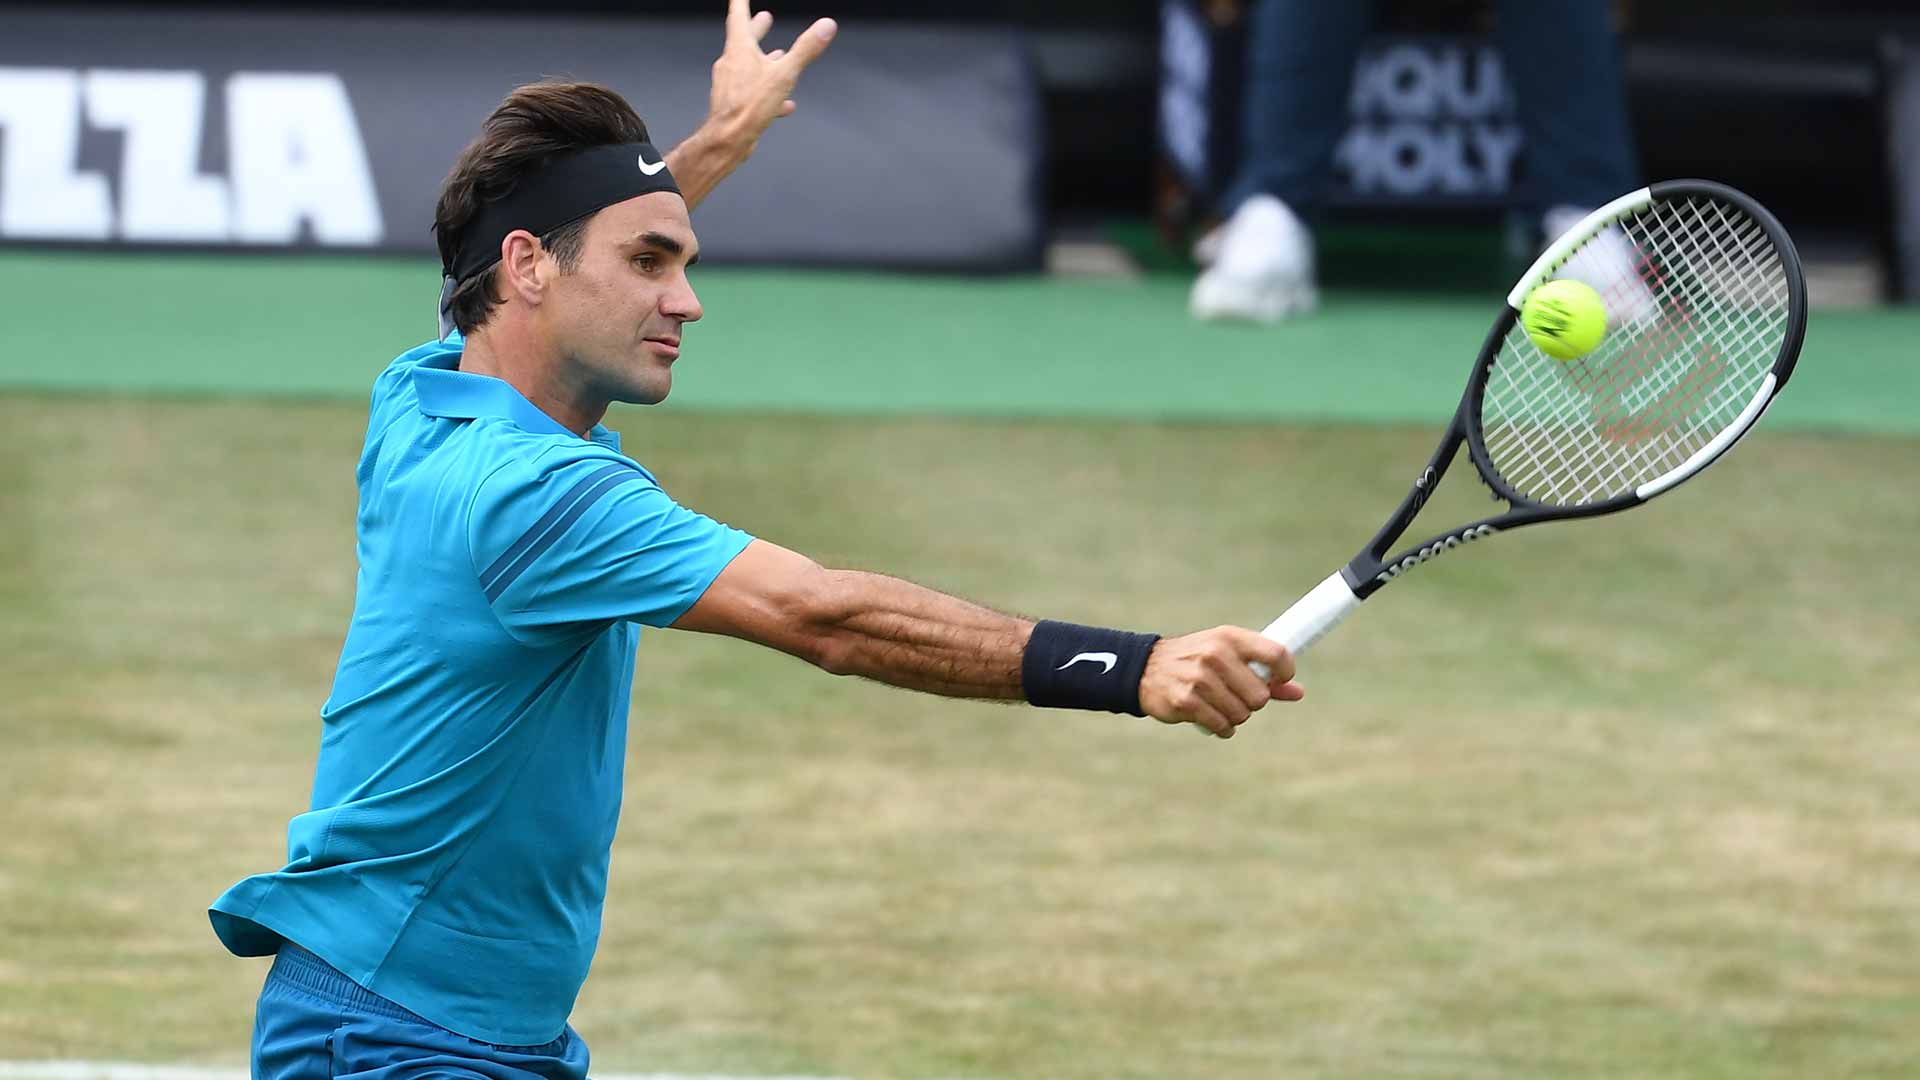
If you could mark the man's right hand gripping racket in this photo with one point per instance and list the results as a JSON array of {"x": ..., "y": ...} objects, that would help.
[{"x": 1705, "y": 311}]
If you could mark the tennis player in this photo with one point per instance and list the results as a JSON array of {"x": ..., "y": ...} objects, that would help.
[{"x": 441, "y": 900}]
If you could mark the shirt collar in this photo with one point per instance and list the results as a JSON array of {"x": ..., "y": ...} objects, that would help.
[{"x": 446, "y": 391}]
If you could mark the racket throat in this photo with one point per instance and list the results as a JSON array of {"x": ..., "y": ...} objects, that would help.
[{"x": 1426, "y": 552}]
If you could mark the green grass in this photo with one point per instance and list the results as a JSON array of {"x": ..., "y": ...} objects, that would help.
[
  {"x": 812, "y": 342},
  {"x": 1630, "y": 798}
]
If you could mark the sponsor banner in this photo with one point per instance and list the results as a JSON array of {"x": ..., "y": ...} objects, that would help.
[
  {"x": 332, "y": 131},
  {"x": 1430, "y": 118}
]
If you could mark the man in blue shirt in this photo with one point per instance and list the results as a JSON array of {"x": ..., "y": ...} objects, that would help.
[{"x": 441, "y": 899}]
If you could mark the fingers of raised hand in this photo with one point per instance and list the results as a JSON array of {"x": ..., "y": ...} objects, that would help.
[
  {"x": 808, "y": 46},
  {"x": 739, "y": 19}
]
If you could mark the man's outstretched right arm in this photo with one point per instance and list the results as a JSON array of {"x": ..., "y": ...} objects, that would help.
[{"x": 851, "y": 622}]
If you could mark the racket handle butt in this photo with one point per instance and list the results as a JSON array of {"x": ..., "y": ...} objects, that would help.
[{"x": 1310, "y": 617}]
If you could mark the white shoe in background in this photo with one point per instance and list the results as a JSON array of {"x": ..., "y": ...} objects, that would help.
[
  {"x": 1263, "y": 269},
  {"x": 1206, "y": 250},
  {"x": 1558, "y": 220}
]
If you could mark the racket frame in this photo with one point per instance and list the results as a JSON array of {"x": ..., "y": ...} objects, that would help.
[{"x": 1371, "y": 569}]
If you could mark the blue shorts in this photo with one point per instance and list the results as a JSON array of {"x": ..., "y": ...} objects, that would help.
[{"x": 314, "y": 1023}]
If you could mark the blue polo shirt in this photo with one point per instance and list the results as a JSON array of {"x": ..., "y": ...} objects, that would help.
[{"x": 455, "y": 856}]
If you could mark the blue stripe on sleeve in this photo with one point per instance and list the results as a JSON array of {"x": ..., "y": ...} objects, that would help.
[
  {"x": 535, "y": 542},
  {"x": 534, "y": 534},
  {"x": 539, "y": 529}
]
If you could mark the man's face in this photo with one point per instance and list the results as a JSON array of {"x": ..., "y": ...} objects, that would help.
[{"x": 615, "y": 319}]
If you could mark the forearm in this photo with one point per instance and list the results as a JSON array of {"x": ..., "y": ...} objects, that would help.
[
  {"x": 705, "y": 158},
  {"x": 896, "y": 632},
  {"x": 850, "y": 622},
  {"x": 854, "y": 623}
]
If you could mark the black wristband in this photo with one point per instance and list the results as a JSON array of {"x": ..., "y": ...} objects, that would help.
[{"x": 1067, "y": 666}]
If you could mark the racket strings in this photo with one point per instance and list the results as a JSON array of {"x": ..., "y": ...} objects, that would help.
[
  {"x": 1697, "y": 302},
  {"x": 1655, "y": 394}
]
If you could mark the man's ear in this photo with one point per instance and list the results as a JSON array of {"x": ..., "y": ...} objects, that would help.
[{"x": 523, "y": 268}]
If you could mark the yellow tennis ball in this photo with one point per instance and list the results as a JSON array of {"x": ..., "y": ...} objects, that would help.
[{"x": 1564, "y": 318}]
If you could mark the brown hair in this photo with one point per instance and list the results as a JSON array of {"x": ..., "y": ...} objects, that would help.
[{"x": 534, "y": 123}]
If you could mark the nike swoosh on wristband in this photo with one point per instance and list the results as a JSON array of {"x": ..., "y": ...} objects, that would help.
[
  {"x": 1106, "y": 658},
  {"x": 649, "y": 170}
]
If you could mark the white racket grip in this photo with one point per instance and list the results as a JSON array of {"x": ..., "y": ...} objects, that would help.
[{"x": 1310, "y": 617}]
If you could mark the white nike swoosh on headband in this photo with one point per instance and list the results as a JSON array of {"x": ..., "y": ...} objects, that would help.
[
  {"x": 649, "y": 170},
  {"x": 1106, "y": 658}
]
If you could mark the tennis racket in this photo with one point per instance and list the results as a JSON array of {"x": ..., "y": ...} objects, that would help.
[{"x": 1706, "y": 310}]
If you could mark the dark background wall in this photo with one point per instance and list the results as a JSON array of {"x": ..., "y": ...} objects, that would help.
[{"x": 1783, "y": 96}]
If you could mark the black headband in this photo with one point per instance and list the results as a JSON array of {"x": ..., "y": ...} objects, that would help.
[{"x": 559, "y": 192}]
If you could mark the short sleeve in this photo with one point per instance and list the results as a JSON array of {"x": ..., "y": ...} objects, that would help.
[{"x": 590, "y": 544}]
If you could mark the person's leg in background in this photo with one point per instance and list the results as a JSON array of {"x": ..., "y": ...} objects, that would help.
[
  {"x": 1563, "y": 59},
  {"x": 1299, "y": 71}
]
